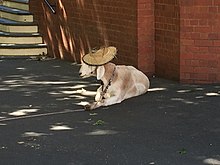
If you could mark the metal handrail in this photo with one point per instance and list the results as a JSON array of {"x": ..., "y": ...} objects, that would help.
[{"x": 51, "y": 7}]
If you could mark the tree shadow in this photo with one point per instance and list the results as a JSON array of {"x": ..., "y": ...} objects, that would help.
[{"x": 161, "y": 123}]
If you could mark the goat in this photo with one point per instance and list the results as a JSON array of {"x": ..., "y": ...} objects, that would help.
[{"x": 119, "y": 82}]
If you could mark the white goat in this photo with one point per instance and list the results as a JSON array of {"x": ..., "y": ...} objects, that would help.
[{"x": 119, "y": 83}]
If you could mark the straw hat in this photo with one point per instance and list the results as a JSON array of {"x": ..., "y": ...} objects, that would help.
[{"x": 101, "y": 56}]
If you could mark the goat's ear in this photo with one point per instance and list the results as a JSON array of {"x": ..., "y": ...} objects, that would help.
[{"x": 100, "y": 72}]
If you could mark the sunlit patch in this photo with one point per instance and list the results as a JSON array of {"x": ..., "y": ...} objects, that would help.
[
  {"x": 199, "y": 89},
  {"x": 34, "y": 134},
  {"x": 16, "y": 86},
  {"x": 3, "y": 147},
  {"x": 83, "y": 103},
  {"x": 48, "y": 82},
  {"x": 56, "y": 66},
  {"x": 189, "y": 102},
  {"x": 211, "y": 161},
  {"x": 63, "y": 99},
  {"x": 10, "y": 81},
  {"x": 199, "y": 97},
  {"x": 23, "y": 112},
  {"x": 63, "y": 10},
  {"x": 190, "y": 90},
  {"x": 77, "y": 97},
  {"x": 99, "y": 132},
  {"x": 183, "y": 100},
  {"x": 81, "y": 3},
  {"x": 79, "y": 91},
  {"x": 68, "y": 92},
  {"x": 20, "y": 142},
  {"x": 4, "y": 89},
  {"x": 32, "y": 145},
  {"x": 183, "y": 91},
  {"x": 64, "y": 35},
  {"x": 156, "y": 89},
  {"x": 15, "y": 76},
  {"x": 177, "y": 99},
  {"x": 82, "y": 84},
  {"x": 212, "y": 94},
  {"x": 86, "y": 92},
  {"x": 54, "y": 93},
  {"x": 21, "y": 68},
  {"x": 60, "y": 128},
  {"x": 3, "y": 124}
]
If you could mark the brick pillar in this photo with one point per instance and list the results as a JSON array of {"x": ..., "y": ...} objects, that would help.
[
  {"x": 145, "y": 36},
  {"x": 200, "y": 41},
  {"x": 56, "y": 28},
  {"x": 167, "y": 47},
  {"x": 83, "y": 24}
]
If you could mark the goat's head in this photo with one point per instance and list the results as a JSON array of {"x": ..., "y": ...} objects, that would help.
[{"x": 87, "y": 70}]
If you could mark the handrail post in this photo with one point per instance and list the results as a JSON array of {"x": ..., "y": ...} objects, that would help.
[{"x": 51, "y": 7}]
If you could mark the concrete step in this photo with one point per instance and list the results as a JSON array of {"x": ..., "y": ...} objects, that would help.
[
  {"x": 18, "y": 4},
  {"x": 17, "y": 27},
  {"x": 18, "y": 33},
  {"x": 20, "y": 38},
  {"x": 15, "y": 14},
  {"x": 22, "y": 49}
]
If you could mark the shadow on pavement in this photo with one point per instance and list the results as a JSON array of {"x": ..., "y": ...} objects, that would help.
[{"x": 42, "y": 122}]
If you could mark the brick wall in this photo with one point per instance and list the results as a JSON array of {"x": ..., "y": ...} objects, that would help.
[
  {"x": 167, "y": 28},
  {"x": 99, "y": 22},
  {"x": 145, "y": 36},
  {"x": 200, "y": 41},
  {"x": 55, "y": 28},
  {"x": 84, "y": 24},
  {"x": 177, "y": 39}
]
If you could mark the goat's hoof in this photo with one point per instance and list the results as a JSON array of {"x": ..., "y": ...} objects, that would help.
[{"x": 87, "y": 107}]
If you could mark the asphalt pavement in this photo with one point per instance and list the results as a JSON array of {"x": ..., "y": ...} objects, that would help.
[{"x": 42, "y": 121}]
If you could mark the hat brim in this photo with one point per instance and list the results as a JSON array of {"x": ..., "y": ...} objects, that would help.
[{"x": 101, "y": 56}]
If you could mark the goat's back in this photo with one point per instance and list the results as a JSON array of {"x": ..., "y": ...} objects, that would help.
[{"x": 133, "y": 74}]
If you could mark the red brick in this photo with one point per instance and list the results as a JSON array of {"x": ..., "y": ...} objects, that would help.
[
  {"x": 203, "y": 22},
  {"x": 194, "y": 22},
  {"x": 195, "y": 63},
  {"x": 203, "y": 43},
  {"x": 214, "y": 50},
  {"x": 187, "y": 42},
  {"x": 202, "y": 29},
  {"x": 203, "y": 70},
  {"x": 213, "y": 36},
  {"x": 216, "y": 43},
  {"x": 188, "y": 69},
  {"x": 187, "y": 29},
  {"x": 187, "y": 2},
  {"x": 216, "y": 2},
  {"x": 203, "y": 2},
  {"x": 212, "y": 77},
  {"x": 200, "y": 77},
  {"x": 213, "y": 9},
  {"x": 163, "y": 35}
]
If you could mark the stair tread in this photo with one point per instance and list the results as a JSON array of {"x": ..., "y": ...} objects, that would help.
[
  {"x": 22, "y": 46},
  {"x": 5, "y": 21},
  {"x": 8, "y": 34},
  {"x": 14, "y": 11},
  {"x": 20, "y": 1},
  {"x": 12, "y": 22}
]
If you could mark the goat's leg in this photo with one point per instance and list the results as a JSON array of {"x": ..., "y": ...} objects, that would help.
[
  {"x": 104, "y": 102},
  {"x": 98, "y": 96}
]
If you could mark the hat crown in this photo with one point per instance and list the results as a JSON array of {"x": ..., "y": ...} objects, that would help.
[{"x": 101, "y": 56}]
